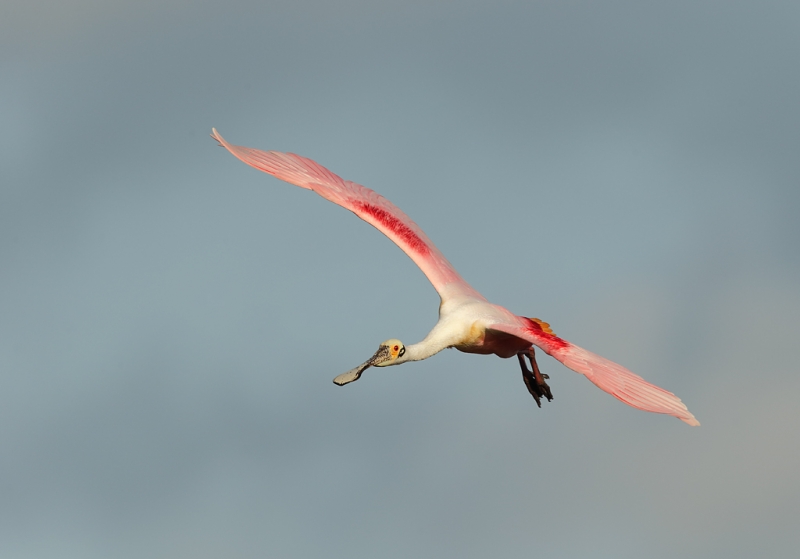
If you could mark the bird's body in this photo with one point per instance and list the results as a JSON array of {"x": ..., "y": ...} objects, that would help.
[
  {"x": 464, "y": 323},
  {"x": 467, "y": 321}
]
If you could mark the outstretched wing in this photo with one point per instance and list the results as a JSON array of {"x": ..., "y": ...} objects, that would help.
[
  {"x": 606, "y": 375},
  {"x": 366, "y": 204}
]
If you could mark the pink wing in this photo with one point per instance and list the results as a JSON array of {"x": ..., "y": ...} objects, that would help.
[
  {"x": 606, "y": 375},
  {"x": 366, "y": 204}
]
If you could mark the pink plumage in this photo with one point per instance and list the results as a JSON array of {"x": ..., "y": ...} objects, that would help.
[
  {"x": 606, "y": 375},
  {"x": 365, "y": 203},
  {"x": 467, "y": 321}
]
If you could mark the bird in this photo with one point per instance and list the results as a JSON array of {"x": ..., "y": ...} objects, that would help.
[{"x": 467, "y": 321}]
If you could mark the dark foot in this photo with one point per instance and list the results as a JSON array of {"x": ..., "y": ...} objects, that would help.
[{"x": 534, "y": 379}]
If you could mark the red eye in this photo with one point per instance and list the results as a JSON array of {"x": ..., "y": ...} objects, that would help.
[{"x": 396, "y": 347}]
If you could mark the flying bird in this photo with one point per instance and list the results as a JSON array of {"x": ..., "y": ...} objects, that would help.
[{"x": 467, "y": 321}]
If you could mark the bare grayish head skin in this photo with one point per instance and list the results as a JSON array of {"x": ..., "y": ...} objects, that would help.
[{"x": 387, "y": 353}]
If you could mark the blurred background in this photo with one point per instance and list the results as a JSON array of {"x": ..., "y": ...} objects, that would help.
[{"x": 171, "y": 319}]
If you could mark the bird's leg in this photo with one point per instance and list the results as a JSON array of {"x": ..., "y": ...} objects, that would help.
[{"x": 534, "y": 379}]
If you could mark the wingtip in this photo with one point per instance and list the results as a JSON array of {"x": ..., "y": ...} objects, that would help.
[
  {"x": 690, "y": 421},
  {"x": 214, "y": 134}
]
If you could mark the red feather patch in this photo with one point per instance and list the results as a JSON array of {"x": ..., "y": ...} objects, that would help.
[
  {"x": 542, "y": 329},
  {"x": 390, "y": 222}
]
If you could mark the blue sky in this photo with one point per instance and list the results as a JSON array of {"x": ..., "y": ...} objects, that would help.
[{"x": 171, "y": 320}]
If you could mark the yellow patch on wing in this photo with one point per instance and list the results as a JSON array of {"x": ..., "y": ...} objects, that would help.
[
  {"x": 543, "y": 325},
  {"x": 476, "y": 334}
]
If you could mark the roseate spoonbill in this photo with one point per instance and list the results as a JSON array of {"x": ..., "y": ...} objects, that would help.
[{"x": 467, "y": 321}]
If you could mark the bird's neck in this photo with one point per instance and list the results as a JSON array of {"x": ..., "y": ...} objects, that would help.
[
  {"x": 422, "y": 350},
  {"x": 454, "y": 328},
  {"x": 433, "y": 343}
]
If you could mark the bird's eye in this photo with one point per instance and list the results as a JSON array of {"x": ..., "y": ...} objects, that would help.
[{"x": 396, "y": 348}]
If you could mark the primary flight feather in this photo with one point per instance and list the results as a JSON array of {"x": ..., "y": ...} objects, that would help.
[{"x": 467, "y": 321}]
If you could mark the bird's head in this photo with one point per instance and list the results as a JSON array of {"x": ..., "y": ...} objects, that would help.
[{"x": 390, "y": 352}]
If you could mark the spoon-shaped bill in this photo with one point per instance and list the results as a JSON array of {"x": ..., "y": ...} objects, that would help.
[{"x": 354, "y": 374}]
